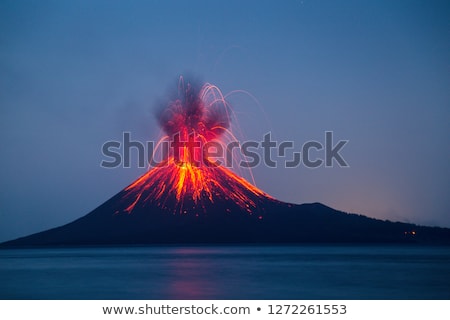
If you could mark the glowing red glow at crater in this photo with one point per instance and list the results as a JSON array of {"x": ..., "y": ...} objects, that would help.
[{"x": 185, "y": 181}]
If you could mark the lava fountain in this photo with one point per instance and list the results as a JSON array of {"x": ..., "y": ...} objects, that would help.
[{"x": 186, "y": 181}]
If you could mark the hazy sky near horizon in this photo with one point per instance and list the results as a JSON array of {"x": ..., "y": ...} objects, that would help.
[{"x": 75, "y": 74}]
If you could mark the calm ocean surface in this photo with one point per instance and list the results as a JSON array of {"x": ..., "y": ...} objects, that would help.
[{"x": 231, "y": 272}]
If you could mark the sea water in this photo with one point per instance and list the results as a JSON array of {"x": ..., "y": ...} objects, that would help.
[{"x": 227, "y": 272}]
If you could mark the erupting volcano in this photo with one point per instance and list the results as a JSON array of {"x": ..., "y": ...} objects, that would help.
[
  {"x": 187, "y": 181},
  {"x": 189, "y": 197}
]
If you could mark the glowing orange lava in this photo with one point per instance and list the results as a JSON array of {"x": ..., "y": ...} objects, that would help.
[{"x": 185, "y": 182}]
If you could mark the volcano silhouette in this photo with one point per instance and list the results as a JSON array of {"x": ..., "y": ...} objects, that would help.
[
  {"x": 149, "y": 212},
  {"x": 184, "y": 201}
]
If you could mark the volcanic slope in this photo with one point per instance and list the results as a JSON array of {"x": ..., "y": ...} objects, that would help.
[{"x": 225, "y": 210}]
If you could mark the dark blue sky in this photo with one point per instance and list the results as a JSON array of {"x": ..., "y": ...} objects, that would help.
[{"x": 76, "y": 74}]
